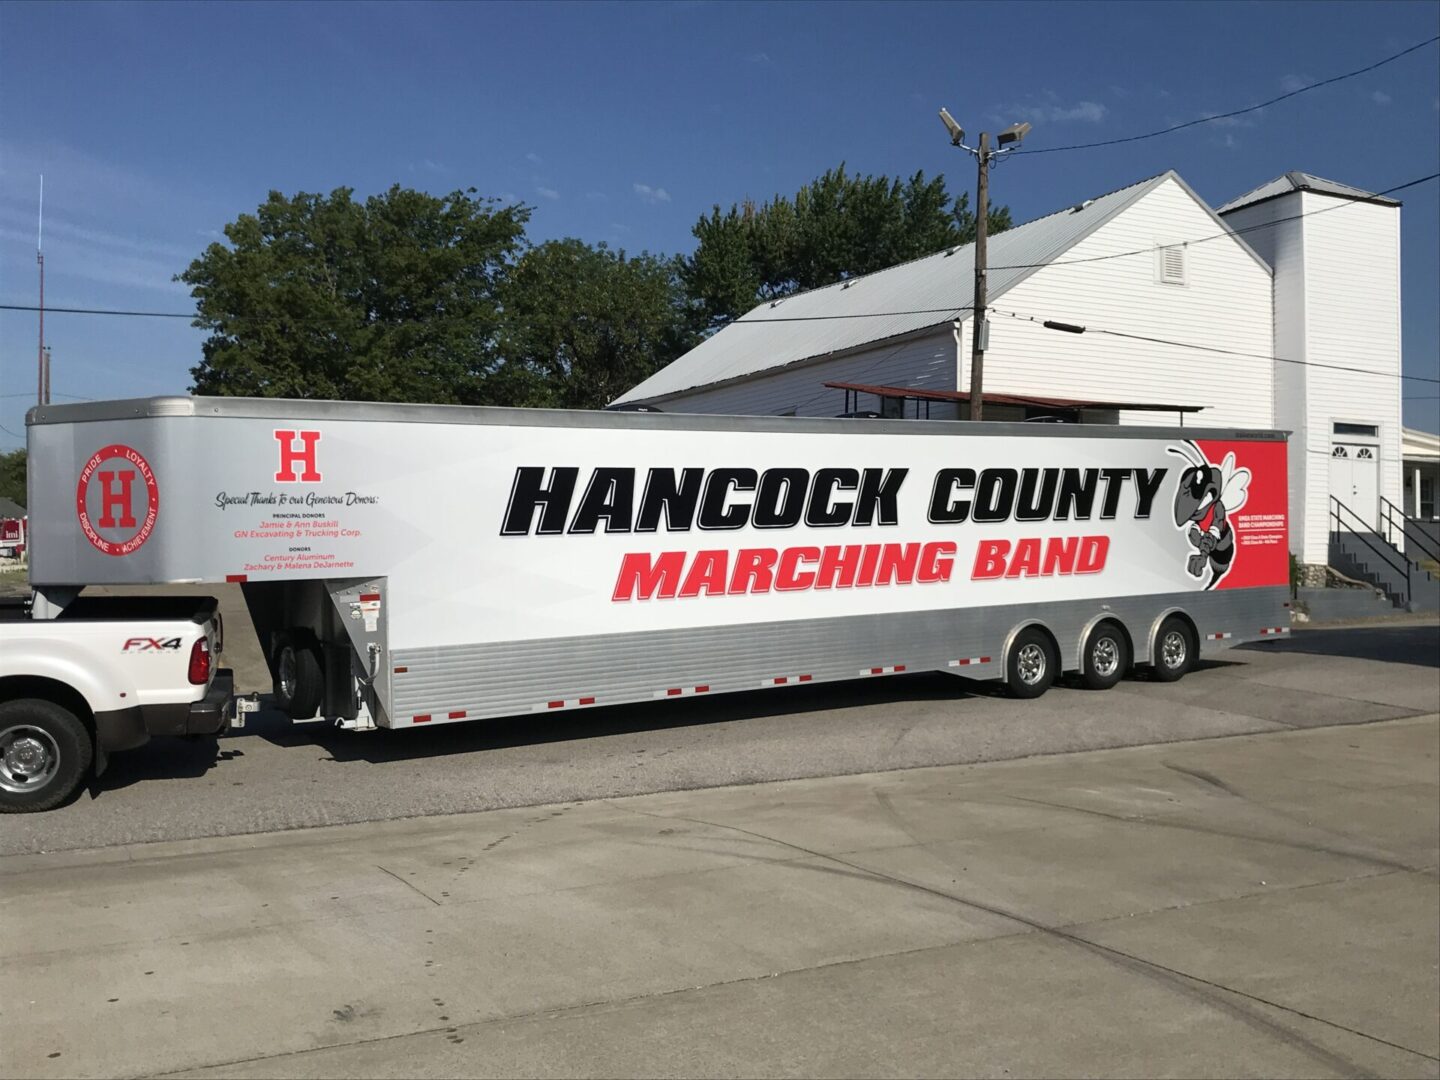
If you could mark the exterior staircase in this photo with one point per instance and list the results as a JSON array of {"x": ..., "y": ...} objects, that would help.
[{"x": 1393, "y": 561}]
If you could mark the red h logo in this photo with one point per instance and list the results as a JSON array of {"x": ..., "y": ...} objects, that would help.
[
  {"x": 302, "y": 455},
  {"x": 116, "y": 496}
]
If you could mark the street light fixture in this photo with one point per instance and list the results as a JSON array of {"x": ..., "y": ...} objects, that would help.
[{"x": 1008, "y": 141}]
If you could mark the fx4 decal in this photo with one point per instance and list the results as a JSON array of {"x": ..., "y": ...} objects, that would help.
[{"x": 150, "y": 644}]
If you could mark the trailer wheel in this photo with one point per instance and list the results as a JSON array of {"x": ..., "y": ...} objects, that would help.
[
  {"x": 45, "y": 754},
  {"x": 1032, "y": 665},
  {"x": 1106, "y": 657},
  {"x": 1174, "y": 650},
  {"x": 299, "y": 681}
]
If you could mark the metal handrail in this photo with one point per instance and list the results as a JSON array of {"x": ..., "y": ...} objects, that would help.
[
  {"x": 1335, "y": 507},
  {"x": 1389, "y": 511}
]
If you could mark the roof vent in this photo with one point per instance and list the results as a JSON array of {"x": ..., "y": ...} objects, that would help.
[
  {"x": 1080, "y": 206},
  {"x": 1172, "y": 265}
]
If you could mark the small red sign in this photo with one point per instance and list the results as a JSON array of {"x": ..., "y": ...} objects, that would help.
[{"x": 117, "y": 499}]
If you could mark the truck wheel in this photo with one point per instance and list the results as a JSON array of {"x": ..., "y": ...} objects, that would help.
[
  {"x": 299, "y": 683},
  {"x": 1174, "y": 650},
  {"x": 45, "y": 754},
  {"x": 1031, "y": 667},
  {"x": 1106, "y": 657}
]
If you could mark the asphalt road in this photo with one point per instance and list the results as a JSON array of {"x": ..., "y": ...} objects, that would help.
[{"x": 275, "y": 776}]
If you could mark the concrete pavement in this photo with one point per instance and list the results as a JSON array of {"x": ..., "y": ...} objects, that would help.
[
  {"x": 276, "y": 776},
  {"x": 1256, "y": 905}
]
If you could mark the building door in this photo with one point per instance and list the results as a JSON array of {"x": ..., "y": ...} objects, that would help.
[{"x": 1355, "y": 481}]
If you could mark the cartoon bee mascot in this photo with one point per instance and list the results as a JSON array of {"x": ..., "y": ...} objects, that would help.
[{"x": 1204, "y": 500}]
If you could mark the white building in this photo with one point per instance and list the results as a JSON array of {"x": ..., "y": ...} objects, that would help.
[{"x": 1184, "y": 309}]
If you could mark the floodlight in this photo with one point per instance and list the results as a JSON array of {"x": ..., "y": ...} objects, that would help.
[
  {"x": 957, "y": 133},
  {"x": 1013, "y": 134}
]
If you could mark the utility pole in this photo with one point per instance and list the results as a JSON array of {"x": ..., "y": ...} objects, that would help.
[
  {"x": 45, "y": 377},
  {"x": 1007, "y": 141},
  {"x": 981, "y": 332}
]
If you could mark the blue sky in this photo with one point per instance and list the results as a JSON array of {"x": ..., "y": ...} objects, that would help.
[{"x": 155, "y": 124}]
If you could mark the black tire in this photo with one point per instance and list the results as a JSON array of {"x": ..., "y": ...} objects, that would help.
[
  {"x": 299, "y": 680},
  {"x": 1105, "y": 657},
  {"x": 1032, "y": 666},
  {"x": 45, "y": 755},
  {"x": 1175, "y": 650}
]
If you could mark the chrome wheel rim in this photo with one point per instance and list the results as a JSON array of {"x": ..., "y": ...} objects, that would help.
[
  {"x": 1030, "y": 664},
  {"x": 285, "y": 672},
  {"x": 1172, "y": 649},
  {"x": 29, "y": 758},
  {"x": 1105, "y": 656}
]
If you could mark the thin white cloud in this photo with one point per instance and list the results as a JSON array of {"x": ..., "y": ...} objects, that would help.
[
  {"x": 534, "y": 158},
  {"x": 759, "y": 58},
  {"x": 1379, "y": 97},
  {"x": 547, "y": 193},
  {"x": 650, "y": 194},
  {"x": 1291, "y": 83},
  {"x": 1049, "y": 109}
]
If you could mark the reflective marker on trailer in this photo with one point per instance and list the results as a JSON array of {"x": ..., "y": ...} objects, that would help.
[
  {"x": 562, "y": 703},
  {"x": 785, "y": 680},
  {"x": 1221, "y": 636},
  {"x": 1266, "y": 630},
  {"x": 457, "y": 714},
  {"x": 967, "y": 661},
  {"x": 423, "y": 718},
  {"x": 891, "y": 669},
  {"x": 681, "y": 691},
  {"x": 236, "y": 578}
]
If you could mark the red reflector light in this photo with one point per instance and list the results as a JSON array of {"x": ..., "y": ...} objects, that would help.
[{"x": 200, "y": 662}]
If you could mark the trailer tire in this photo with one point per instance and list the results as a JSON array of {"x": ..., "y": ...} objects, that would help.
[
  {"x": 1105, "y": 658},
  {"x": 1174, "y": 650},
  {"x": 45, "y": 754},
  {"x": 1032, "y": 665},
  {"x": 299, "y": 680}
]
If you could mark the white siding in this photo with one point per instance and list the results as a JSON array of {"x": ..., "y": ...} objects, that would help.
[
  {"x": 1352, "y": 318},
  {"x": 1283, "y": 248},
  {"x": 927, "y": 362},
  {"x": 1225, "y": 303}
]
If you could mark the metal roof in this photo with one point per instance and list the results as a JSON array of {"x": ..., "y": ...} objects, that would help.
[
  {"x": 991, "y": 398},
  {"x": 931, "y": 291},
  {"x": 1302, "y": 181}
]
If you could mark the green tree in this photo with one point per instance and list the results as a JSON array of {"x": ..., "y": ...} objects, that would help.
[
  {"x": 390, "y": 299},
  {"x": 836, "y": 227},
  {"x": 12, "y": 476},
  {"x": 583, "y": 324}
]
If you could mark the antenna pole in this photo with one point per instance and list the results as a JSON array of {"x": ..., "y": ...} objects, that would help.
[{"x": 41, "y": 379}]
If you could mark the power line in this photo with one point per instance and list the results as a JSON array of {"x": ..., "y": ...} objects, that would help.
[
  {"x": 1224, "y": 352},
  {"x": 1220, "y": 235},
  {"x": 101, "y": 311},
  {"x": 1237, "y": 112}
]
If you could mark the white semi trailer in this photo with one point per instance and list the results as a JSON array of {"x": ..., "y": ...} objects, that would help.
[{"x": 415, "y": 565}]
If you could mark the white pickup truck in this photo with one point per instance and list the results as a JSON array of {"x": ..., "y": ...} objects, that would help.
[{"x": 104, "y": 675}]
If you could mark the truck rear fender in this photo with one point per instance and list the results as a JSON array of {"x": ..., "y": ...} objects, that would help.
[{"x": 102, "y": 684}]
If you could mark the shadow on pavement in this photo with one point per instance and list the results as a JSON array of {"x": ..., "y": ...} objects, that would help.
[{"x": 1418, "y": 645}]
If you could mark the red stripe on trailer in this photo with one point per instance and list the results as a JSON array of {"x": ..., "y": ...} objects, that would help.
[
  {"x": 889, "y": 669},
  {"x": 681, "y": 691},
  {"x": 587, "y": 701},
  {"x": 366, "y": 597},
  {"x": 423, "y": 718},
  {"x": 236, "y": 577},
  {"x": 401, "y": 670},
  {"x": 555, "y": 704},
  {"x": 968, "y": 660},
  {"x": 1220, "y": 636},
  {"x": 1265, "y": 630},
  {"x": 780, "y": 680},
  {"x": 457, "y": 714}
]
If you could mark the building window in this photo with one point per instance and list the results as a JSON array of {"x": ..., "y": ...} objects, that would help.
[
  {"x": 1364, "y": 454},
  {"x": 1427, "y": 497},
  {"x": 1339, "y": 451},
  {"x": 1357, "y": 429}
]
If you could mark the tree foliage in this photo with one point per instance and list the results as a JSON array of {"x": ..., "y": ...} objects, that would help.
[
  {"x": 583, "y": 324},
  {"x": 390, "y": 299},
  {"x": 836, "y": 227},
  {"x": 12, "y": 476}
]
